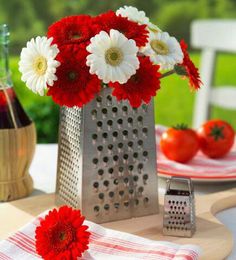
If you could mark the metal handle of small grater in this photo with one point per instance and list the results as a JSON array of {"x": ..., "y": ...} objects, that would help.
[{"x": 188, "y": 181}]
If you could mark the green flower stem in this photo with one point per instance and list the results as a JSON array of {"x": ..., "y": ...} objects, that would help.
[{"x": 168, "y": 73}]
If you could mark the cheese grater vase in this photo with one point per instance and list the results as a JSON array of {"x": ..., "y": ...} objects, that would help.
[{"x": 107, "y": 159}]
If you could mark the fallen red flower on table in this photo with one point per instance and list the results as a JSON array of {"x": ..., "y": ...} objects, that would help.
[
  {"x": 191, "y": 72},
  {"x": 62, "y": 235}
]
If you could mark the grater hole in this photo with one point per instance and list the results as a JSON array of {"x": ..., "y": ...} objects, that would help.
[
  {"x": 130, "y": 144},
  {"x": 99, "y": 123},
  {"x": 145, "y": 153},
  {"x": 120, "y": 145},
  {"x": 109, "y": 98},
  {"x": 140, "y": 142},
  {"x": 100, "y": 172},
  {"x": 126, "y": 156},
  {"x": 95, "y": 160},
  {"x": 96, "y": 209},
  {"x": 106, "y": 183},
  {"x": 99, "y": 99},
  {"x": 116, "y": 205},
  {"x": 145, "y": 130},
  {"x": 110, "y": 146},
  {"x": 115, "y": 158},
  {"x": 126, "y": 204},
  {"x": 94, "y": 112},
  {"x": 94, "y": 136},
  {"x": 115, "y": 134},
  {"x": 114, "y": 109},
  {"x": 135, "y": 155},
  {"x": 125, "y": 133},
  {"x": 121, "y": 192},
  {"x": 135, "y": 131},
  {"x": 96, "y": 185},
  {"x": 105, "y": 135},
  {"x": 116, "y": 182},
  {"x": 106, "y": 206},
  {"x": 105, "y": 159},
  {"x": 140, "y": 189},
  {"x": 130, "y": 120},
  {"x": 126, "y": 180},
  {"x": 110, "y": 170},
  {"x": 120, "y": 121},
  {"x": 145, "y": 177},
  {"x": 140, "y": 166},
  {"x": 140, "y": 118},
  {"x": 135, "y": 178},
  {"x": 111, "y": 194},
  {"x": 146, "y": 200},
  {"x": 100, "y": 148},
  {"x": 130, "y": 167},
  {"x": 110, "y": 122},
  {"x": 104, "y": 111},
  {"x": 125, "y": 108},
  {"x": 121, "y": 169},
  {"x": 131, "y": 191},
  {"x": 101, "y": 196}
]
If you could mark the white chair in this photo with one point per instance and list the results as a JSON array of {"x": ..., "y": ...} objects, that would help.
[{"x": 212, "y": 36}]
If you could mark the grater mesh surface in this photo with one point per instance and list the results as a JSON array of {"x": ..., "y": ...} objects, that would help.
[
  {"x": 107, "y": 159},
  {"x": 69, "y": 152}
]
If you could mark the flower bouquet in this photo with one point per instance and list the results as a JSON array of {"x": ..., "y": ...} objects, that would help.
[{"x": 104, "y": 71}]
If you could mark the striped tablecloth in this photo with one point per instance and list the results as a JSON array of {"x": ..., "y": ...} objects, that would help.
[
  {"x": 104, "y": 244},
  {"x": 200, "y": 167}
]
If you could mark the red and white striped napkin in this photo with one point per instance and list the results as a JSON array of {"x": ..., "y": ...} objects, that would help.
[
  {"x": 105, "y": 244},
  {"x": 200, "y": 167}
]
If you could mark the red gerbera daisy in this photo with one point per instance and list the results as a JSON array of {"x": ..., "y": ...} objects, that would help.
[
  {"x": 62, "y": 235},
  {"x": 190, "y": 70},
  {"x": 141, "y": 86},
  {"x": 130, "y": 29},
  {"x": 75, "y": 86},
  {"x": 73, "y": 29}
]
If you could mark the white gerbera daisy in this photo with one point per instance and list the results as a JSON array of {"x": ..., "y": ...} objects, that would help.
[
  {"x": 113, "y": 57},
  {"x": 163, "y": 50},
  {"x": 38, "y": 65},
  {"x": 133, "y": 14}
]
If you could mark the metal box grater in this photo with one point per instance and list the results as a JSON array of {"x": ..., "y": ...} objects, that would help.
[
  {"x": 179, "y": 209},
  {"x": 107, "y": 159}
]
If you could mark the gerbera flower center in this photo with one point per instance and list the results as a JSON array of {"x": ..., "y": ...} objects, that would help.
[
  {"x": 75, "y": 36},
  {"x": 72, "y": 75},
  {"x": 114, "y": 56},
  {"x": 159, "y": 47},
  {"x": 40, "y": 65},
  {"x": 61, "y": 236}
]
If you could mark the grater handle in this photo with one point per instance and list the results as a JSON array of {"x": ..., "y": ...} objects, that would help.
[{"x": 188, "y": 181}]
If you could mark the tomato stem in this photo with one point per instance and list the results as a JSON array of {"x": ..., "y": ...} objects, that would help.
[
  {"x": 217, "y": 132},
  {"x": 181, "y": 126}
]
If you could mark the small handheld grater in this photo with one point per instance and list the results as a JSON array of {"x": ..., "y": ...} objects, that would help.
[{"x": 179, "y": 209}]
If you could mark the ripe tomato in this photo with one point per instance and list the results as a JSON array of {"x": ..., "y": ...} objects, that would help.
[
  {"x": 179, "y": 143},
  {"x": 216, "y": 138}
]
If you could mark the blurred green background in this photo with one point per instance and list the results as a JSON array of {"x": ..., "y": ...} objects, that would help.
[{"x": 174, "y": 102}]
